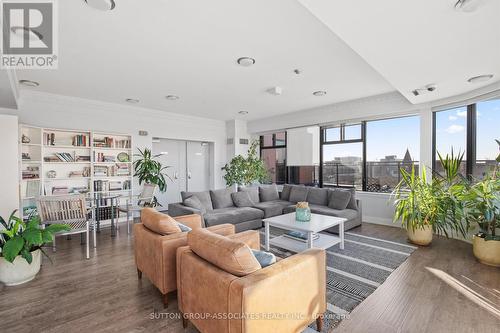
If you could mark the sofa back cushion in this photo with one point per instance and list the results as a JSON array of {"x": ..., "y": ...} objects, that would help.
[
  {"x": 352, "y": 202},
  {"x": 158, "y": 222},
  {"x": 269, "y": 193},
  {"x": 232, "y": 256},
  {"x": 339, "y": 199},
  {"x": 252, "y": 191},
  {"x": 285, "y": 193},
  {"x": 195, "y": 203},
  {"x": 318, "y": 196},
  {"x": 204, "y": 198},
  {"x": 242, "y": 199},
  {"x": 222, "y": 198},
  {"x": 298, "y": 194}
]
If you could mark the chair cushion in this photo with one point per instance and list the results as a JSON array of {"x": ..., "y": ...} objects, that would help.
[
  {"x": 222, "y": 198},
  {"x": 184, "y": 228},
  {"x": 344, "y": 213},
  {"x": 233, "y": 215},
  {"x": 298, "y": 194},
  {"x": 252, "y": 191},
  {"x": 242, "y": 199},
  {"x": 339, "y": 199},
  {"x": 232, "y": 256},
  {"x": 264, "y": 258},
  {"x": 158, "y": 222},
  {"x": 318, "y": 196},
  {"x": 195, "y": 203},
  {"x": 272, "y": 208},
  {"x": 204, "y": 198},
  {"x": 269, "y": 193},
  {"x": 289, "y": 209}
]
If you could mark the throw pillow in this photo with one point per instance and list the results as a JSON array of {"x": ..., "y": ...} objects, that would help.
[
  {"x": 264, "y": 258},
  {"x": 339, "y": 199},
  {"x": 352, "y": 203},
  {"x": 252, "y": 191},
  {"x": 195, "y": 203},
  {"x": 318, "y": 196},
  {"x": 242, "y": 199},
  {"x": 158, "y": 222},
  {"x": 222, "y": 198},
  {"x": 184, "y": 228},
  {"x": 203, "y": 196},
  {"x": 269, "y": 193},
  {"x": 298, "y": 194},
  {"x": 285, "y": 193}
]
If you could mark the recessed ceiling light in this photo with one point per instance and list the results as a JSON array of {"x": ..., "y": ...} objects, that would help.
[
  {"x": 246, "y": 61},
  {"x": 103, "y": 5},
  {"x": 275, "y": 91},
  {"x": 243, "y": 112},
  {"x": 172, "y": 97},
  {"x": 31, "y": 35},
  {"x": 29, "y": 83},
  {"x": 132, "y": 100},
  {"x": 480, "y": 78},
  {"x": 297, "y": 71},
  {"x": 467, "y": 5},
  {"x": 319, "y": 93}
]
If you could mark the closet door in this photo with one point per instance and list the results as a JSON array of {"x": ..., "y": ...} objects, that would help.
[
  {"x": 198, "y": 166},
  {"x": 173, "y": 154}
]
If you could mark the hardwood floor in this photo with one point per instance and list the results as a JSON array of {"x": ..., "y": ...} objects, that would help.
[{"x": 103, "y": 294}]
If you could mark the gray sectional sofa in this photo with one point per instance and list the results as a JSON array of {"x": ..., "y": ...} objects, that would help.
[{"x": 247, "y": 207}]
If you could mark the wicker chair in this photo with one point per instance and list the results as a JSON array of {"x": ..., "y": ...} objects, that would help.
[
  {"x": 67, "y": 209},
  {"x": 144, "y": 199}
]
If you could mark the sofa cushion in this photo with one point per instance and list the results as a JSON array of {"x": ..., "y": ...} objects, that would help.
[
  {"x": 222, "y": 198},
  {"x": 344, "y": 213},
  {"x": 203, "y": 196},
  {"x": 242, "y": 199},
  {"x": 195, "y": 203},
  {"x": 232, "y": 256},
  {"x": 318, "y": 196},
  {"x": 352, "y": 202},
  {"x": 272, "y": 208},
  {"x": 285, "y": 193},
  {"x": 339, "y": 199},
  {"x": 233, "y": 215},
  {"x": 252, "y": 191},
  {"x": 289, "y": 209},
  {"x": 269, "y": 193},
  {"x": 158, "y": 222},
  {"x": 264, "y": 258},
  {"x": 298, "y": 194}
]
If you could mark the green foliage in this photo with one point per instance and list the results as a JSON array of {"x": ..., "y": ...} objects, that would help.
[
  {"x": 150, "y": 171},
  {"x": 245, "y": 171},
  {"x": 20, "y": 238}
]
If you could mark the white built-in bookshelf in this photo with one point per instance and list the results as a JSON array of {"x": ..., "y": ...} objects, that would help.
[{"x": 63, "y": 161}]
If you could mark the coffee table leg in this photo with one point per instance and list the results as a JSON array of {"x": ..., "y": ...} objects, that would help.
[
  {"x": 341, "y": 234},
  {"x": 310, "y": 240},
  {"x": 266, "y": 225}
]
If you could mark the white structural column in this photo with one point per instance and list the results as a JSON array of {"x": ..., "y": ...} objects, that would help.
[
  {"x": 9, "y": 172},
  {"x": 426, "y": 139}
]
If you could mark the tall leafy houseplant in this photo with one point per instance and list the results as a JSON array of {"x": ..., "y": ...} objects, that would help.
[
  {"x": 150, "y": 171},
  {"x": 246, "y": 170}
]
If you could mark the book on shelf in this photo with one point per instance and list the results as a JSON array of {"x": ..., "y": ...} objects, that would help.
[
  {"x": 81, "y": 140},
  {"x": 32, "y": 189},
  {"x": 115, "y": 186},
  {"x": 60, "y": 157},
  {"x": 31, "y": 172},
  {"x": 299, "y": 236},
  {"x": 101, "y": 157}
]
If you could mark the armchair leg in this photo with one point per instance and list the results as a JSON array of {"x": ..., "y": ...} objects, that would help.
[
  {"x": 319, "y": 323},
  {"x": 165, "y": 301},
  {"x": 139, "y": 274}
]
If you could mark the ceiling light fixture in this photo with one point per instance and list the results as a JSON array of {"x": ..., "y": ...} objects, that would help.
[
  {"x": 319, "y": 93},
  {"x": 103, "y": 5},
  {"x": 275, "y": 91},
  {"x": 243, "y": 112},
  {"x": 480, "y": 78},
  {"x": 29, "y": 83},
  {"x": 132, "y": 100},
  {"x": 246, "y": 61},
  {"x": 425, "y": 90},
  {"x": 467, "y": 6},
  {"x": 172, "y": 97},
  {"x": 297, "y": 71}
]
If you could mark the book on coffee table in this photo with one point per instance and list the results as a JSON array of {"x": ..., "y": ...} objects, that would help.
[{"x": 300, "y": 236}]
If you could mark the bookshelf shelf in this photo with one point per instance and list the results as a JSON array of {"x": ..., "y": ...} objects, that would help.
[{"x": 68, "y": 146}]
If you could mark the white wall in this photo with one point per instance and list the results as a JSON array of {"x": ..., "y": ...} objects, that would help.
[
  {"x": 9, "y": 168},
  {"x": 236, "y": 129},
  {"x": 48, "y": 110}
]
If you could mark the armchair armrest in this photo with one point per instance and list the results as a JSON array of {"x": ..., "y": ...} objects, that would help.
[
  {"x": 249, "y": 237},
  {"x": 194, "y": 221}
]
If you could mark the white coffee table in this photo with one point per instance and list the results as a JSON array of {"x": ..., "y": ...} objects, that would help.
[{"x": 318, "y": 223}]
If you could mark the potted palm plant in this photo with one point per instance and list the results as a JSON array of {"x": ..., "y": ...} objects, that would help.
[
  {"x": 21, "y": 248},
  {"x": 150, "y": 171},
  {"x": 246, "y": 170}
]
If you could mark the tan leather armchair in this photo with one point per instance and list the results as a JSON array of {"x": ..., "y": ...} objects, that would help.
[
  {"x": 284, "y": 297},
  {"x": 155, "y": 254}
]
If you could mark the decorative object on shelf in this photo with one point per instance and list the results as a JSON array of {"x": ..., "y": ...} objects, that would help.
[
  {"x": 26, "y": 157},
  {"x": 123, "y": 157},
  {"x": 245, "y": 171},
  {"x": 303, "y": 212},
  {"x": 25, "y": 139},
  {"x": 31, "y": 172},
  {"x": 51, "y": 174},
  {"x": 150, "y": 171},
  {"x": 21, "y": 244}
]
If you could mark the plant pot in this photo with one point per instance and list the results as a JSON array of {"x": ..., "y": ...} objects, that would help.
[
  {"x": 19, "y": 271},
  {"x": 420, "y": 235},
  {"x": 486, "y": 251}
]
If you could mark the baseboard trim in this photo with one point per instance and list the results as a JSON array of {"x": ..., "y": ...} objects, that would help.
[{"x": 380, "y": 220}]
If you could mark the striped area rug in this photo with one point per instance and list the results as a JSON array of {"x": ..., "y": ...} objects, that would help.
[{"x": 353, "y": 273}]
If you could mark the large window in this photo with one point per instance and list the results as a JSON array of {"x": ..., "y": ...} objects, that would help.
[
  {"x": 273, "y": 153},
  {"x": 370, "y": 155},
  {"x": 471, "y": 129}
]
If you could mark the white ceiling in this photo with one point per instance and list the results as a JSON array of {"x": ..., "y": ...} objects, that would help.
[
  {"x": 413, "y": 43},
  {"x": 149, "y": 49}
]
